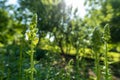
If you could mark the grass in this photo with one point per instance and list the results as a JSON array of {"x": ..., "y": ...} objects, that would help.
[{"x": 112, "y": 56}]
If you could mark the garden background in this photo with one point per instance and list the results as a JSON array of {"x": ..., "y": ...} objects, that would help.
[{"x": 49, "y": 40}]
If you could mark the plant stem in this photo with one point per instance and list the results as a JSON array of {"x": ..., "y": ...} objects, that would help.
[
  {"x": 2, "y": 66},
  {"x": 97, "y": 65},
  {"x": 32, "y": 64},
  {"x": 20, "y": 64},
  {"x": 106, "y": 62},
  {"x": 77, "y": 63},
  {"x": 8, "y": 77}
]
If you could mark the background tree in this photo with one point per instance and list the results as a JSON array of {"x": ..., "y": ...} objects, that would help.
[
  {"x": 103, "y": 12},
  {"x": 54, "y": 19}
]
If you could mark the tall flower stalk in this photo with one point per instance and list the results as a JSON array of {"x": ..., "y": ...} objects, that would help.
[
  {"x": 32, "y": 37},
  {"x": 96, "y": 44},
  {"x": 106, "y": 38}
]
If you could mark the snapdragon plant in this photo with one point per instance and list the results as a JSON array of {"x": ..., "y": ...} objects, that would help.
[
  {"x": 31, "y": 34},
  {"x": 106, "y": 38},
  {"x": 96, "y": 44}
]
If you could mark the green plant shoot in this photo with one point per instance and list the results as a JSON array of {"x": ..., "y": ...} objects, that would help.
[
  {"x": 96, "y": 43},
  {"x": 31, "y": 34},
  {"x": 106, "y": 38}
]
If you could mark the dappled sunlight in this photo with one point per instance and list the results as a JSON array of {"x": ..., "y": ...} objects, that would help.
[
  {"x": 79, "y": 4},
  {"x": 59, "y": 39}
]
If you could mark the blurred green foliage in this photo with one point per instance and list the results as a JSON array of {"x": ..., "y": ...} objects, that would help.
[{"x": 60, "y": 32}]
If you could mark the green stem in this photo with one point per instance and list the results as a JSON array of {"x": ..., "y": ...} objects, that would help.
[
  {"x": 20, "y": 64},
  {"x": 2, "y": 66},
  {"x": 77, "y": 63},
  {"x": 32, "y": 64},
  {"x": 8, "y": 78},
  {"x": 106, "y": 62},
  {"x": 97, "y": 58}
]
